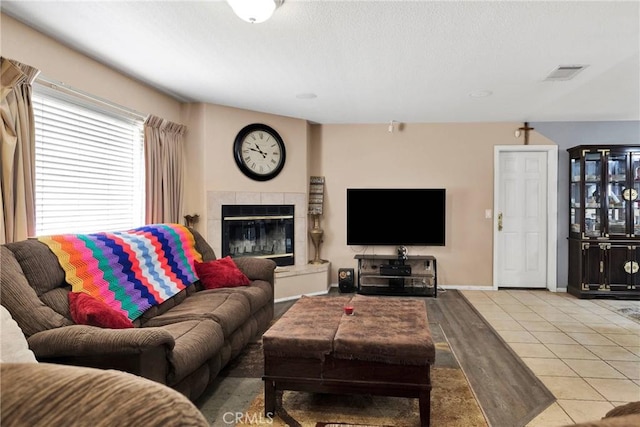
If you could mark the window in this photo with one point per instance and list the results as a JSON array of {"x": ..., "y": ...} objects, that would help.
[{"x": 89, "y": 165}]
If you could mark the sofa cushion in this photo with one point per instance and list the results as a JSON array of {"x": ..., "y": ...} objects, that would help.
[
  {"x": 31, "y": 314},
  {"x": 39, "y": 264},
  {"x": 257, "y": 268},
  {"x": 166, "y": 305},
  {"x": 196, "y": 341},
  {"x": 58, "y": 300},
  {"x": 203, "y": 247},
  {"x": 230, "y": 310},
  {"x": 87, "y": 310},
  {"x": 221, "y": 273},
  {"x": 259, "y": 294}
]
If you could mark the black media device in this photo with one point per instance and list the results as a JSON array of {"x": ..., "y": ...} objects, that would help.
[
  {"x": 396, "y": 216},
  {"x": 395, "y": 270},
  {"x": 346, "y": 280}
]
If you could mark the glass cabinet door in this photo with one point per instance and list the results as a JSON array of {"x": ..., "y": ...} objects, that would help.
[
  {"x": 576, "y": 206},
  {"x": 593, "y": 194},
  {"x": 633, "y": 193},
  {"x": 617, "y": 199}
]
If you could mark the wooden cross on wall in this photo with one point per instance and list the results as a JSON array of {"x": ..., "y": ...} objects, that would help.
[{"x": 526, "y": 130}]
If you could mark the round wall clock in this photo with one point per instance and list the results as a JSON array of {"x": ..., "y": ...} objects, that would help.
[{"x": 259, "y": 152}]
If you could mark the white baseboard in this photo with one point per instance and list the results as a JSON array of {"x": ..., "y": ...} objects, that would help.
[{"x": 467, "y": 288}]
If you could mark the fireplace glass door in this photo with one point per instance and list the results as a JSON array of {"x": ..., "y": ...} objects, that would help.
[{"x": 264, "y": 231}]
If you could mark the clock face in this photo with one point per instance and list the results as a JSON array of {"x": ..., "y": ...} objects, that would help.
[{"x": 259, "y": 152}]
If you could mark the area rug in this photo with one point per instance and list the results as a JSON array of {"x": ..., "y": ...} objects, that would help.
[
  {"x": 453, "y": 403},
  {"x": 344, "y": 425}
]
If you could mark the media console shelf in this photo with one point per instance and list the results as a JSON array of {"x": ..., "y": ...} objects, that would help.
[{"x": 389, "y": 275}]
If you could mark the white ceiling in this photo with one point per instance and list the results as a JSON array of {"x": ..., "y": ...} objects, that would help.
[{"x": 368, "y": 61}]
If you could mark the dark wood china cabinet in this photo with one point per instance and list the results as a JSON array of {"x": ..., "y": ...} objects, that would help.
[{"x": 604, "y": 221}]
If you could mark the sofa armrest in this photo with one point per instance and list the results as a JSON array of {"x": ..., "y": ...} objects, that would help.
[
  {"x": 49, "y": 395},
  {"x": 257, "y": 268},
  {"x": 81, "y": 340},
  {"x": 140, "y": 351}
]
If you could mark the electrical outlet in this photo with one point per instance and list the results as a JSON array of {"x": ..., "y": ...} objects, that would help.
[{"x": 487, "y": 213}]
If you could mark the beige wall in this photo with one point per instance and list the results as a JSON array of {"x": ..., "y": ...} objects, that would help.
[
  {"x": 455, "y": 156},
  {"x": 57, "y": 62}
]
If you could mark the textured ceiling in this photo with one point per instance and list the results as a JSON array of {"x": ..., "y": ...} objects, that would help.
[{"x": 368, "y": 61}]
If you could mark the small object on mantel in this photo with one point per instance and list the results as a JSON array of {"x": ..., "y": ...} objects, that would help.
[{"x": 190, "y": 220}]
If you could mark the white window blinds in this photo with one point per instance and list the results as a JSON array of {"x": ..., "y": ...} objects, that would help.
[{"x": 89, "y": 165}]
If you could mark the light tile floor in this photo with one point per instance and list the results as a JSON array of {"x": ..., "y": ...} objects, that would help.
[{"x": 586, "y": 351}]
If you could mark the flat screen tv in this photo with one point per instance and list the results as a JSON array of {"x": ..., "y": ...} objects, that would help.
[{"x": 396, "y": 216}]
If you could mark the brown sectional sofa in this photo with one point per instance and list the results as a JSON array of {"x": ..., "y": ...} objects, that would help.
[{"x": 183, "y": 343}]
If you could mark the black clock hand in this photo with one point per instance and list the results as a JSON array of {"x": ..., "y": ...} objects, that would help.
[{"x": 264, "y": 155}]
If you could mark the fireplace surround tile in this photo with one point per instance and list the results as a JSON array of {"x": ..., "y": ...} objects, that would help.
[
  {"x": 248, "y": 198},
  {"x": 272, "y": 199},
  {"x": 297, "y": 199}
]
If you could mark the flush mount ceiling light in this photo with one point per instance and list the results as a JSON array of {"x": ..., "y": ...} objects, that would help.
[
  {"x": 480, "y": 94},
  {"x": 254, "y": 11}
]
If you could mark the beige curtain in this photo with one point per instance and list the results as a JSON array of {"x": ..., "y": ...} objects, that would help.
[
  {"x": 164, "y": 170},
  {"x": 17, "y": 151}
]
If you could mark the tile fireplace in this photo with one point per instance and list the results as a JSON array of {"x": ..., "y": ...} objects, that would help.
[{"x": 292, "y": 281}]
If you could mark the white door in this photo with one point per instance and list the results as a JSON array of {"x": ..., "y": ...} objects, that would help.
[{"x": 524, "y": 212}]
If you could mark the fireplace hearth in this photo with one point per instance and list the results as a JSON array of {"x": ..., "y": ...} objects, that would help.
[{"x": 264, "y": 231}]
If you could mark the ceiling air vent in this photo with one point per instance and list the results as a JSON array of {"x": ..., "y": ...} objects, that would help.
[{"x": 564, "y": 72}]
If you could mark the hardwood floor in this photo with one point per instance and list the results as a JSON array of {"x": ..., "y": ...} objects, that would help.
[{"x": 509, "y": 393}]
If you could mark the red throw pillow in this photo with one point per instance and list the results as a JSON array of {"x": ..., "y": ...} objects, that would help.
[
  {"x": 221, "y": 273},
  {"x": 87, "y": 310}
]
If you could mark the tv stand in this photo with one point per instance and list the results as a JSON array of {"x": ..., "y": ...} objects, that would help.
[{"x": 421, "y": 280}]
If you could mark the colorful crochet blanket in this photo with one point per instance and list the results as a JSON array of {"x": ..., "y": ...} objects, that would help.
[{"x": 132, "y": 270}]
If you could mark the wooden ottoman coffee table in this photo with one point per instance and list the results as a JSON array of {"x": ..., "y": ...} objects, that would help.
[{"x": 384, "y": 348}]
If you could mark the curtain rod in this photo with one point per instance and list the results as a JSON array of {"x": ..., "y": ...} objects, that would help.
[{"x": 63, "y": 87}]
